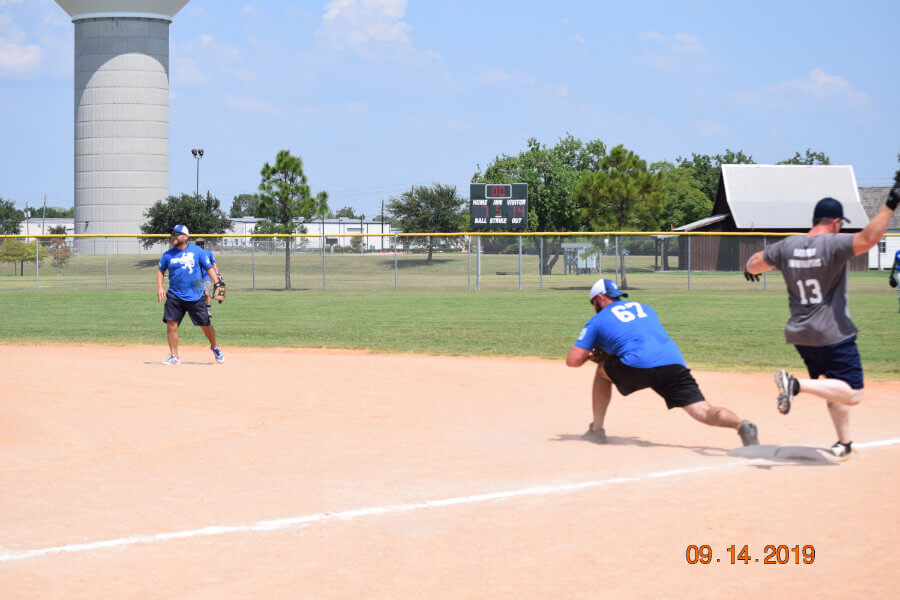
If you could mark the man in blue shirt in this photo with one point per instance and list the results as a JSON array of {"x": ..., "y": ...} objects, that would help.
[
  {"x": 634, "y": 352},
  {"x": 895, "y": 269},
  {"x": 207, "y": 281},
  {"x": 185, "y": 263}
]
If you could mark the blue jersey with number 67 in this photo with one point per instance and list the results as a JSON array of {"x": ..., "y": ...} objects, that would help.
[{"x": 631, "y": 331}]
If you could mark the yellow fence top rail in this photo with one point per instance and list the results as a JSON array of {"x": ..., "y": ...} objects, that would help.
[{"x": 416, "y": 234}]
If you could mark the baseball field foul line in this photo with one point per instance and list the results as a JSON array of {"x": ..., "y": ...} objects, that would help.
[{"x": 8, "y": 556}]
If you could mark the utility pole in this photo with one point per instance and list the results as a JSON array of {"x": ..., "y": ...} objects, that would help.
[{"x": 44, "y": 215}]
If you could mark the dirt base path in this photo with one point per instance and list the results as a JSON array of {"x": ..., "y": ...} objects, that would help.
[{"x": 334, "y": 474}]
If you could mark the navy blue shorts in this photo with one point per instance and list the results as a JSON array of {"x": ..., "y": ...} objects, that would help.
[
  {"x": 673, "y": 382},
  {"x": 838, "y": 361},
  {"x": 176, "y": 307}
]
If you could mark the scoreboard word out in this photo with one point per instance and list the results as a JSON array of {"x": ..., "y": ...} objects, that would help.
[{"x": 498, "y": 206}]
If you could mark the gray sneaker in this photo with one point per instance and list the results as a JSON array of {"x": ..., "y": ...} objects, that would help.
[
  {"x": 785, "y": 382},
  {"x": 748, "y": 433},
  {"x": 597, "y": 436},
  {"x": 171, "y": 361}
]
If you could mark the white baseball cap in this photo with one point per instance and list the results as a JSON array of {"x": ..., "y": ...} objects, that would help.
[
  {"x": 607, "y": 287},
  {"x": 181, "y": 229}
]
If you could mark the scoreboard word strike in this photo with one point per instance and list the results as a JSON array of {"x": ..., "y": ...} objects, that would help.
[{"x": 498, "y": 206}]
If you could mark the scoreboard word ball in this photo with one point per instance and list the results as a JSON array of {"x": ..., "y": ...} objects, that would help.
[{"x": 498, "y": 206}]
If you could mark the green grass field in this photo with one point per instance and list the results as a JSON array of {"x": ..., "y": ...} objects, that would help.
[
  {"x": 715, "y": 330},
  {"x": 350, "y": 272}
]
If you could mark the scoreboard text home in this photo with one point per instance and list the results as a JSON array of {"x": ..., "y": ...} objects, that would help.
[{"x": 498, "y": 206}]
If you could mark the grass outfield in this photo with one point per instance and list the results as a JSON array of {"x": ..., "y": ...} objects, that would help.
[{"x": 715, "y": 330}]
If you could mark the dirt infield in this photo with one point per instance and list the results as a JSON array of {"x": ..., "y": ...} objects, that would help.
[{"x": 337, "y": 474}]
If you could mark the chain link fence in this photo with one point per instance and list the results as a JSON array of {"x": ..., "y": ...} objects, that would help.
[{"x": 382, "y": 262}]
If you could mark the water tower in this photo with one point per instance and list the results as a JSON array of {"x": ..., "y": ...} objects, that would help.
[{"x": 121, "y": 114}]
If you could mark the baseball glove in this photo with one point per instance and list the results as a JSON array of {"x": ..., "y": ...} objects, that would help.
[
  {"x": 892, "y": 281},
  {"x": 597, "y": 356},
  {"x": 219, "y": 290}
]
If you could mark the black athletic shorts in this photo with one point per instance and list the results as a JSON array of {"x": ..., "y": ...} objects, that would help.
[
  {"x": 673, "y": 382},
  {"x": 838, "y": 361},
  {"x": 176, "y": 307}
]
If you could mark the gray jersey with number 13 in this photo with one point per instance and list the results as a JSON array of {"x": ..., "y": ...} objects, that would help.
[{"x": 815, "y": 272}]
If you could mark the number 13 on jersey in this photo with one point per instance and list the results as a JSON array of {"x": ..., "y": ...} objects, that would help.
[{"x": 814, "y": 291}]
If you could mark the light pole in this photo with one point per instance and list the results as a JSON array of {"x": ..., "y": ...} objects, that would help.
[{"x": 198, "y": 154}]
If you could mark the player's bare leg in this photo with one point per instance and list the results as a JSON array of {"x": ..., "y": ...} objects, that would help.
[
  {"x": 713, "y": 415},
  {"x": 210, "y": 334},
  {"x": 601, "y": 395},
  {"x": 840, "y": 416},
  {"x": 833, "y": 390},
  {"x": 172, "y": 337}
]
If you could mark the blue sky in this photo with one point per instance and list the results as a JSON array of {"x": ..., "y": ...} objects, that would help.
[{"x": 376, "y": 95}]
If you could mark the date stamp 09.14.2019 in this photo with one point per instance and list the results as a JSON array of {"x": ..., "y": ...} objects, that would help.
[{"x": 771, "y": 555}]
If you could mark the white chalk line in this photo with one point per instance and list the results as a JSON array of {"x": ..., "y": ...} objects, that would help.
[{"x": 8, "y": 556}]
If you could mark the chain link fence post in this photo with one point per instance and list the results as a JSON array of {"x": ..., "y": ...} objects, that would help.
[
  {"x": 541, "y": 264},
  {"x": 395, "y": 262},
  {"x": 689, "y": 262},
  {"x": 478, "y": 263},
  {"x": 617, "y": 260},
  {"x": 520, "y": 262},
  {"x": 252, "y": 265},
  {"x": 106, "y": 260},
  {"x": 765, "y": 241},
  {"x": 469, "y": 263},
  {"x": 37, "y": 270},
  {"x": 324, "y": 240}
]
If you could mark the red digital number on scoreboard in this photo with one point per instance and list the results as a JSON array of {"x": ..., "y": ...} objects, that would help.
[{"x": 498, "y": 191}]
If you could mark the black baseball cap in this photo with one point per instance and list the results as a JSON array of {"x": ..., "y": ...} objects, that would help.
[{"x": 829, "y": 208}]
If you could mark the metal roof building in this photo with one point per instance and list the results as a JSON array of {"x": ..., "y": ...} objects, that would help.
[
  {"x": 770, "y": 198},
  {"x": 882, "y": 255}
]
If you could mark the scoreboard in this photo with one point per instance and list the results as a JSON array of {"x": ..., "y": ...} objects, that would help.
[{"x": 498, "y": 206}]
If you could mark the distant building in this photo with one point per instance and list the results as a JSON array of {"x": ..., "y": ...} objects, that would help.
[
  {"x": 767, "y": 198},
  {"x": 38, "y": 226},
  {"x": 338, "y": 232},
  {"x": 882, "y": 255}
]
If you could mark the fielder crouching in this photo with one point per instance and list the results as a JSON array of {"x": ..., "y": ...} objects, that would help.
[{"x": 634, "y": 352}]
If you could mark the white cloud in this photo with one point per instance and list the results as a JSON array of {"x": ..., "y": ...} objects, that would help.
[
  {"x": 5, "y": 2},
  {"x": 17, "y": 55},
  {"x": 358, "y": 23},
  {"x": 370, "y": 28},
  {"x": 817, "y": 85},
  {"x": 204, "y": 59},
  {"x": 578, "y": 38},
  {"x": 561, "y": 90},
  {"x": 497, "y": 76},
  {"x": 667, "y": 52}
]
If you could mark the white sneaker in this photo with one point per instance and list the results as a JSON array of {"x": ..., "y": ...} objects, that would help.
[
  {"x": 172, "y": 360},
  {"x": 220, "y": 358}
]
